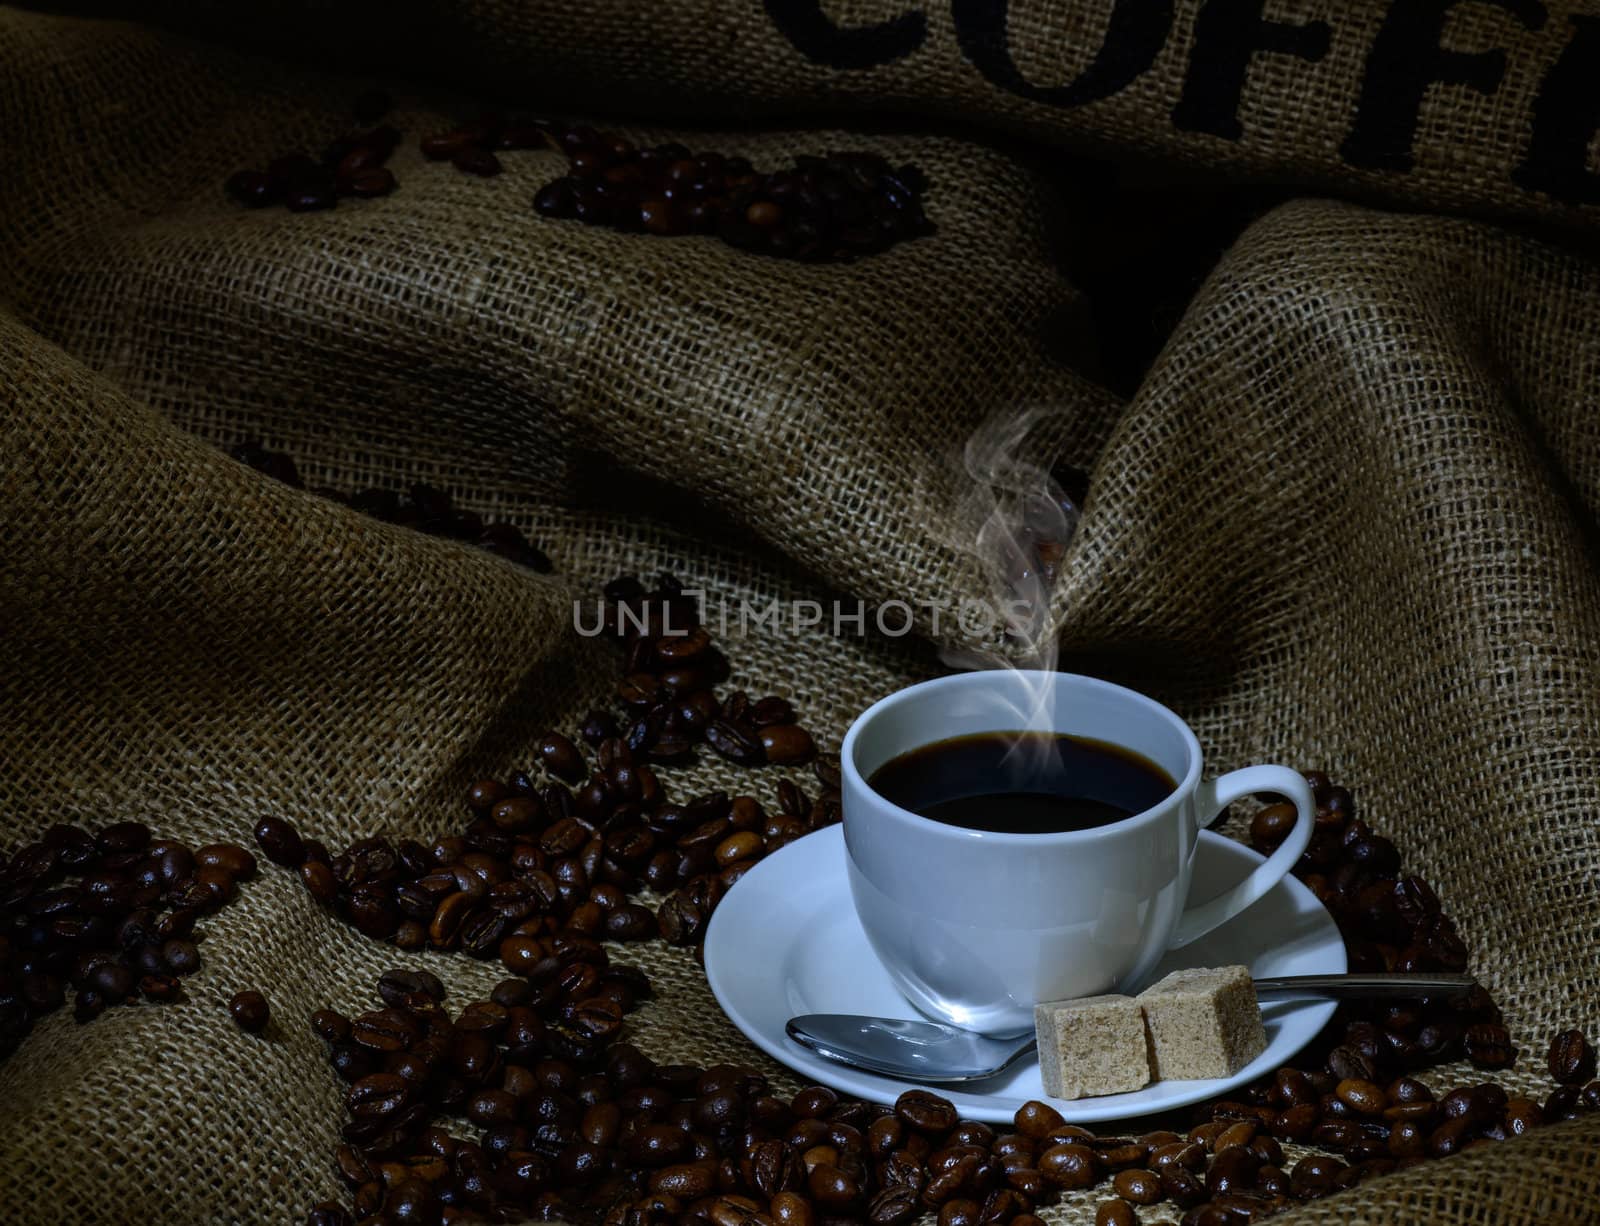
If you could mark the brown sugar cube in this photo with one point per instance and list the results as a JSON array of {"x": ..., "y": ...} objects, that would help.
[
  {"x": 1203, "y": 1023},
  {"x": 1093, "y": 1045}
]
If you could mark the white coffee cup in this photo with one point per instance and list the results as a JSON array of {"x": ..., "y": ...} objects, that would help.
[{"x": 975, "y": 927}]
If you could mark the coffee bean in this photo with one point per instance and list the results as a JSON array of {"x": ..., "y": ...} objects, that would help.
[
  {"x": 1362, "y": 1097},
  {"x": 892, "y": 1206},
  {"x": 1141, "y": 1187},
  {"x": 330, "y": 1025},
  {"x": 1069, "y": 1166},
  {"x": 679, "y": 919},
  {"x": 250, "y": 1010},
  {"x": 1232, "y": 1169},
  {"x": 1182, "y": 1186},
  {"x": 1449, "y": 1137},
  {"x": 232, "y": 859},
  {"x": 787, "y": 744},
  {"x": 736, "y": 742},
  {"x": 1239, "y": 1133},
  {"x": 960, "y": 1212},
  {"x": 1115, "y": 1213},
  {"x": 387, "y": 1030},
  {"x": 181, "y": 957},
  {"x": 1571, "y": 1060},
  {"x": 925, "y": 1112},
  {"x": 1348, "y": 1064},
  {"x": 329, "y": 1213},
  {"x": 1489, "y": 1046},
  {"x": 367, "y": 183},
  {"x": 280, "y": 842},
  {"x": 561, "y": 757},
  {"x": 402, "y": 989},
  {"x": 319, "y": 881}
]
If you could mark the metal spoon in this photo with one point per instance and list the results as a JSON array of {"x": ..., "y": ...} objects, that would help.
[{"x": 933, "y": 1052}]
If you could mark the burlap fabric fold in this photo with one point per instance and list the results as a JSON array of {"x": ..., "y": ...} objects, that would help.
[
  {"x": 1485, "y": 106},
  {"x": 1346, "y": 521}
]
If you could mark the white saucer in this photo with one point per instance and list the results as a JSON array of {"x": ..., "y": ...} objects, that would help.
[{"x": 785, "y": 940}]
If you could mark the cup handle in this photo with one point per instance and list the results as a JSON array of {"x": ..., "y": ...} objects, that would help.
[{"x": 1209, "y": 798}]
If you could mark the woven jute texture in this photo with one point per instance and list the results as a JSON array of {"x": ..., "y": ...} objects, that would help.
[
  {"x": 1346, "y": 521},
  {"x": 1481, "y": 105}
]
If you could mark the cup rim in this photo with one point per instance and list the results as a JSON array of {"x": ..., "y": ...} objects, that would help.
[{"x": 912, "y": 693}]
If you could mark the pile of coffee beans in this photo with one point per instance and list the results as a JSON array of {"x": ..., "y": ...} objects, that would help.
[
  {"x": 351, "y": 166},
  {"x": 821, "y": 209},
  {"x": 583, "y": 1127},
  {"x": 471, "y": 147},
  {"x": 107, "y": 918},
  {"x": 829, "y": 209},
  {"x": 669, "y": 669},
  {"x": 584, "y": 1130},
  {"x": 1390, "y": 921},
  {"x": 541, "y": 861},
  {"x": 562, "y": 850},
  {"x": 422, "y": 507}
]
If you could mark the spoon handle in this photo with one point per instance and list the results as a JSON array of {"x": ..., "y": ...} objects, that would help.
[{"x": 1368, "y": 987}]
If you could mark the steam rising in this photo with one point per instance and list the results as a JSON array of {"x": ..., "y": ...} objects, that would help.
[{"x": 1023, "y": 523}]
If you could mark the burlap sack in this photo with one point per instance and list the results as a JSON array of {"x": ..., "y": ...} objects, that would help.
[
  {"x": 1482, "y": 105},
  {"x": 1346, "y": 521}
]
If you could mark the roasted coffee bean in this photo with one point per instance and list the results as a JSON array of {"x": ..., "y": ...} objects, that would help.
[
  {"x": 1449, "y": 1137},
  {"x": 1362, "y": 1097},
  {"x": 1408, "y": 1139},
  {"x": 1272, "y": 824},
  {"x": 792, "y": 1209},
  {"x": 1315, "y": 1176},
  {"x": 561, "y": 757},
  {"x": 367, "y": 182},
  {"x": 1035, "y": 1119},
  {"x": 787, "y": 744},
  {"x": 1178, "y": 1153},
  {"x": 1069, "y": 1166},
  {"x": 385, "y": 1030},
  {"x": 925, "y": 1112},
  {"x": 1571, "y": 1060},
  {"x": 736, "y": 742},
  {"x": 1349, "y": 1064},
  {"x": 1140, "y": 1187},
  {"x": 378, "y": 1094},
  {"x": 679, "y": 920},
  {"x": 1489, "y": 1046},
  {"x": 1120, "y": 1155},
  {"x": 1239, "y": 1133},
  {"x": 330, "y": 1025},
  {"x": 1232, "y": 1169},
  {"x": 319, "y": 881},
  {"x": 250, "y": 1011},
  {"x": 156, "y": 987},
  {"x": 892, "y": 1206},
  {"x": 833, "y": 1188},
  {"x": 181, "y": 957},
  {"x": 230, "y": 858},
  {"x": 402, "y": 988},
  {"x": 960, "y": 1212},
  {"x": 280, "y": 842},
  {"x": 1115, "y": 1213},
  {"x": 474, "y": 161},
  {"x": 1182, "y": 1186},
  {"x": 687, "y": 1181}
]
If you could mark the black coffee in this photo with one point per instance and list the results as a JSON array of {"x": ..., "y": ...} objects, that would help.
[{"x": 1023, "y": 782}]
